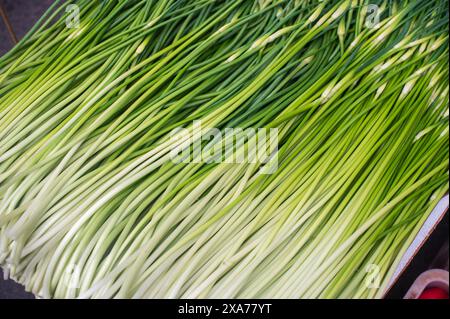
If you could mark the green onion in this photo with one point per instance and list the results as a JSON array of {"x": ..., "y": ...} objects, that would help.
[{"x": 92, "y": 204}]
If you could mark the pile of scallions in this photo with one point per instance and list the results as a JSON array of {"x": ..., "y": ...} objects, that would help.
[{"x": 93, "y": 206}]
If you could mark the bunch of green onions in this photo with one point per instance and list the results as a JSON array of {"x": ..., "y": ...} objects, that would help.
[{"x": 92, "y": 206}]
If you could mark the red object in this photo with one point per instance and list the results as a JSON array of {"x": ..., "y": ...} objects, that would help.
[
  {"x": 434, "y": 293},
  {"x": 432, "y": 284}
]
